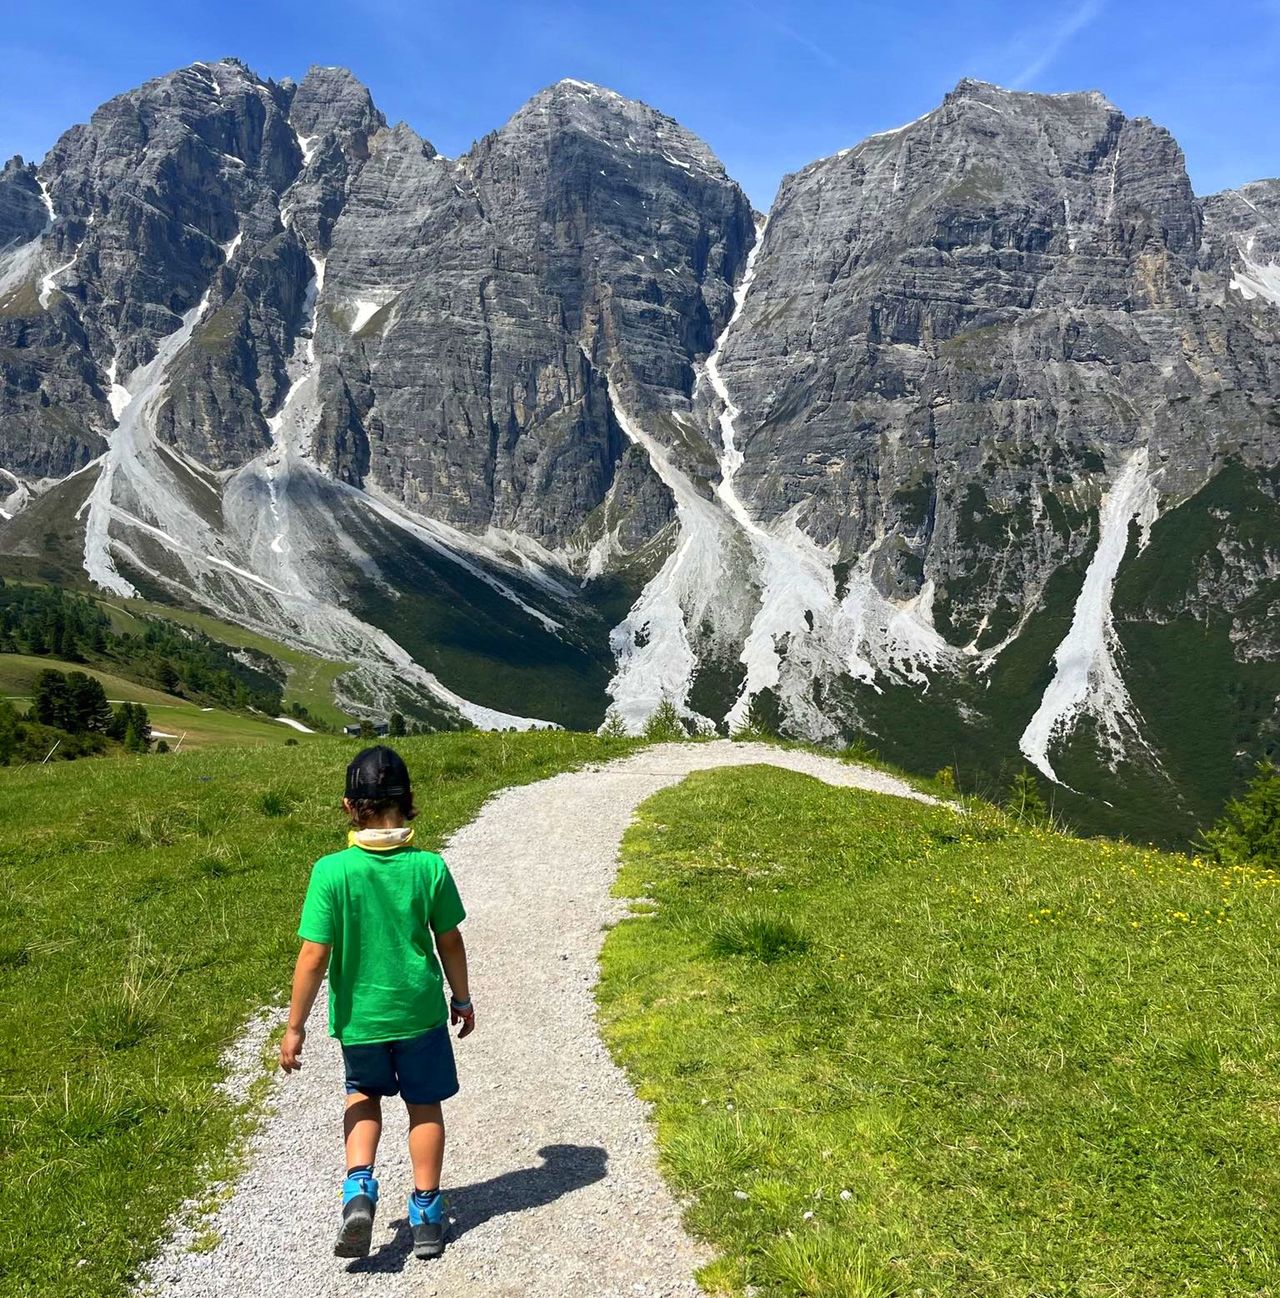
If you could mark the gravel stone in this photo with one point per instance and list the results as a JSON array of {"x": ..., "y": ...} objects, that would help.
[{"x": 551, "y": 1174}]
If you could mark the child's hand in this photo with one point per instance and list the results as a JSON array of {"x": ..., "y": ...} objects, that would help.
[
  {"x": 464, "y": 1013},
  {"x": 291, "y": 1049}
]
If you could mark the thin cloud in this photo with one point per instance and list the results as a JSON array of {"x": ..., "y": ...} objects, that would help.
[
  {"x": 1056, "y": 40},
  {"x": 798, "y": 38}
]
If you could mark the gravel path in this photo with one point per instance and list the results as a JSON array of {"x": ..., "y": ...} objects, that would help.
[{"x": 550, "y": 1174}]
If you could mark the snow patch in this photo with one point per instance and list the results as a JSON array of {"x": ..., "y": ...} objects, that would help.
[
  {"x": 126, "y": 458},
  {"x": 365, "y": 308},
  {"x": 1255, "y": 280},
  {"x": 229, "y": 248},
  {"x": 118, "y": 396},
  {"x": 308, "y": 145},
  {"x": 296, "y": 725},
  {"x": 48, "y": 282},
  {"x": 291, "y": 417},
  {"x": 18, "y": 499},
  {"x": 800, "y": 614},
  {"x": 652, "y": 645},
  {"x": 1087, "y": 679}
]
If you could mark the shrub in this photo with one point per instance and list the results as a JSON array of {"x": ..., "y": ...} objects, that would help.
[
  {"x": 764, "y": 717},
  {"x": 614, "y": 727},
  {"x": 1024, "y": 801},
  {"x": 665, "y": 725},
  {"x": 1249, "y": 831}
]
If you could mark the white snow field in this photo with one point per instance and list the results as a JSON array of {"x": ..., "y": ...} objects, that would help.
[
  {"x": 654, "y": 644},
  {"x": 1087, "y": 679},
  {"x": 1258, "y": 280}
]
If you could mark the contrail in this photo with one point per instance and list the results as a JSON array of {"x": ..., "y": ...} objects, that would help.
[{"x": 1070, "y": 26}]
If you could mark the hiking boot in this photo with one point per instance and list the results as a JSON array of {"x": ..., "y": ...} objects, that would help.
[
  {"x": 428, "y": 1226},
  {"x": 359, "y": 1202}
]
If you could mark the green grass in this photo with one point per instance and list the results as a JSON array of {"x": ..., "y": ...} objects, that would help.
[
  {"x": 894, "y": 1049},
  {"x": 310, "y": 678},
  {"x": 147, "y": 906},
  {"x": 168, "y": 714}
]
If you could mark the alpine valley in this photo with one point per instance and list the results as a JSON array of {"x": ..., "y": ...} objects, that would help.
[{"x": 968, "y": 450}]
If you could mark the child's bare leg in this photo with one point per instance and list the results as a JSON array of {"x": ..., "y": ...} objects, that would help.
[
  {"x": 426, "y": 1144},
  {"x": 362, "y": 1128}
]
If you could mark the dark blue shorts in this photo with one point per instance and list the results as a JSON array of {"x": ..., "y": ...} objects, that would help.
[{"x": 421, "y": 1069}]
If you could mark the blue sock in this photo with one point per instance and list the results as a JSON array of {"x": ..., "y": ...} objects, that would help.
[
  {"x": 365, "y": 1169},
  {"x": 425, "y": 1198}
]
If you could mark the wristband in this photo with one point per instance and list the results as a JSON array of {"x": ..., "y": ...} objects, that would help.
[{"x": 462, "y": 1007}]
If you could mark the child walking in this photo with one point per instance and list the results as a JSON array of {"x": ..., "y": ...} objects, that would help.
[{"x": 369, "y": 917}]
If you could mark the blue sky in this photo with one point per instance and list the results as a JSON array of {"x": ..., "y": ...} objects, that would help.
[{"x": 770, "y": 86}]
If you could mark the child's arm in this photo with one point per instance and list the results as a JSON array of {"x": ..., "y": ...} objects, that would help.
[
  {"x": 453, "y": 958},
  {"x": 308, "y": 974}
]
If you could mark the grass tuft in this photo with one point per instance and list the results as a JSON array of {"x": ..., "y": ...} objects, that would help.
[
  {"x": 756, "y": 934},
  {"x": 273, "y": 804},
  {"x": 824, "y": 1261}
]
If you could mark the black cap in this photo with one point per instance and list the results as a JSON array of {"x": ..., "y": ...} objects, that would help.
[{"x": 377, "y": 773}]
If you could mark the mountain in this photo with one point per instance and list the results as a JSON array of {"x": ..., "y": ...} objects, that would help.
[{"x": 969, "y": 450}]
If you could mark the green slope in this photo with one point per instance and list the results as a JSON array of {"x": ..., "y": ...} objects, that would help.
[
  {"x": 311, "y": 678},
  {"x": 897, "y": 1051},
  {"x": 147, "y": 906},
  {"x": 171, "y": 717}
]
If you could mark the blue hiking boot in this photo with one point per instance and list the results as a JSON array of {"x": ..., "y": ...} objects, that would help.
[
  {"x": 427, "y": 1222},
  {"x": 359, "y": 1201}
]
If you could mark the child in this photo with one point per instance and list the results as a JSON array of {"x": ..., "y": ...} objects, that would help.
[{"x": 369, "y": 916}]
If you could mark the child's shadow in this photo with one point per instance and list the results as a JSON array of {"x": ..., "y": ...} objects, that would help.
[{"x": 564, "y": 1168}]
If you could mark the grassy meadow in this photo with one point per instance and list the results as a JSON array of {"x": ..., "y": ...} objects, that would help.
[
  {"x": 896, "y": 1050},
  {"x": 147, "y": 907},
  {"x": 173, "y": 718},
  {"x": 310, "y": 678}
]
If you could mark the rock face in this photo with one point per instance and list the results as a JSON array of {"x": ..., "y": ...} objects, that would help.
[{"x": 986, "y": 418}]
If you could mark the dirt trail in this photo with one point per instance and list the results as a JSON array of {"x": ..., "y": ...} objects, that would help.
[{"x": 551, "y": 1175}]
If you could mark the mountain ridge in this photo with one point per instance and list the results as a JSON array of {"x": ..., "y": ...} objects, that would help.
[{"x": 846, "y": 467}]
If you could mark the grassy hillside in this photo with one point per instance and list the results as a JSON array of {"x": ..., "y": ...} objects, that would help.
[
  {"x": 310, "y": 678},
  {"x": 170, "y": 716},
  {"x": 897, "y": 1052},
  {"x": 147, "y": 906}
]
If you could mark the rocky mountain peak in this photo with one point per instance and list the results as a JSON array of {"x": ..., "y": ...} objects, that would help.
[
  {"x": 551, "y": 417},
  {"x": 22, "y": 211},
  {"x": 611, "y": 119},
  {"x": 333, "y": 99}
]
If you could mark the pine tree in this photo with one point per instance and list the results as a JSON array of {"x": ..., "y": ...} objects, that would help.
[
  {"x": 614, "y": 727},
  {"x": 89, "y": 706},
  {"x": 665, "y": 724},
  {"x": 395, "y": 725},
  {"x": 1249, "y": 831},
  {"x": 1024, "y": 801},
  {"x": 51, "y": 700}
]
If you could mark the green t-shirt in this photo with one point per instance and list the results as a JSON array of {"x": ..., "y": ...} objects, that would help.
[{"x": 377, "y": 909}]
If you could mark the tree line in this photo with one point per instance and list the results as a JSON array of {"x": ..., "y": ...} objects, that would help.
[
  {"x": 45, "y": 621},
  {"x": 70, "y": 716}
]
